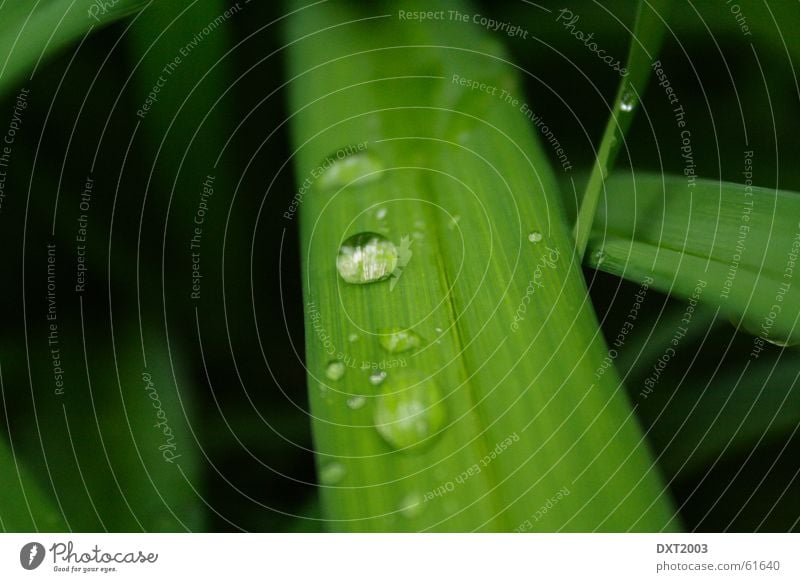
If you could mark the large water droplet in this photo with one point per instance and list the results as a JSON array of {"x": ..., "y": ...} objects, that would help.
[
  {"x": 341, "y": 169},
  {"x": 398, "y": 340},
  {"x": 411, "y": 505},
  {"x": 332, "y": 473},
  {"x": 535, "y": 236},
  {"x": 409, "y": 410},
  {"x": 366, "y": 257},
  {"x": 335, "y": 370}
]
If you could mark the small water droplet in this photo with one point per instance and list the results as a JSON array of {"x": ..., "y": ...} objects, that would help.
[
  {"x": 398, "y": 340},
  {"x": 781, "y": 344},
  {"x": 353, "y": 337},
  {"x": 599, "y": 257},
  {"x": 754, "y": 329},
  {"x": 340, "y": 169},
  {"x": 411, "y": 505},
  {"x": 335, "y": 370},
  {"x": 439, "y": 330},
  {"x": 535, "y": 236},
  {"x": 409, "y": 410},
  {"x": 380, "y": 214},
  {"x": 454, "y": 222},
  {"x": 356, "y": 402},
  {"x": 377, "y": 378},
  {"x": 366, "y": 257},
  {"x": 332, "y": 473},
  {"x": 628, "y": 101}
]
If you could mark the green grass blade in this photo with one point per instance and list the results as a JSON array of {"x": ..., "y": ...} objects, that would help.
[
  {"x": 731, "y": 246},
  {"x": 519, "y": 418},
  {"x": 648, "y": 34},
  {"x": 30, "y": 31}
]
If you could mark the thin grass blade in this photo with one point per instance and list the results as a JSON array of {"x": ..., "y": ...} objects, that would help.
[{"x": 648, "y": 35}]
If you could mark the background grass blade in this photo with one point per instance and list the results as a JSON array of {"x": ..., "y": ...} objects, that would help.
[
  {"x": 742, "y": 406},
  {"x": 526, "y": 420},
  {"x": 728, "y": 245},
  {"x": 648, "y": 35},
  {"x": 24, "y": 505},
  {"x": 29, "y": 31},
  {"x": 116, "y": 450}
]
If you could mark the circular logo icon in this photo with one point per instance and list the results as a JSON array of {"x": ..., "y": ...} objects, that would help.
[{"x": 31, "y": 555}]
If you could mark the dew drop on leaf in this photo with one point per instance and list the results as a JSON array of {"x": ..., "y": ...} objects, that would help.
[
  {"x": 335, "y": 370},
  {"x": 366, "y": 257},
  {"x": 339, "y": 169},
  {"x": 409, "y": 410},
  {"x": 356, "y": 402},
  {"x": 332, "y": 473},
  {"x": 599, "y": 257},
  {"x": 377, "y": 378},
  {"x": 399, "y": 340},
  {"x": 411, "y": 505},
  {"x": 628, "y": 101},
  {"x": 535, "y": 236}
]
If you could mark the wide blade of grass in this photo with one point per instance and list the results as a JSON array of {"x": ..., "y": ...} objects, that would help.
[
  {"x": 648, "y": 34},
  {"x": 729, "y": 245},
  {"x": 510, "y": 417},
  {"x": 29, "y": 31}
]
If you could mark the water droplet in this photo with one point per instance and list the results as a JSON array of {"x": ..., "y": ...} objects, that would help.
[
  {"x": 409, "y": 410},
  {"x": 380, "y": 214},
  {"x": 411, "y": 505},
  {"x": 599, "y": 257},
  {"x": 353, "y": 337},
  {"x": 366, "y": 257},
  {"x": 439, "y": 330},
  {"x": 781, "y": 344},
  {"x": 356, "y": 402},
  {"x": 454, "y": 222},
  {"x": 377, "y": 378},
  {"x": 754, "y": 329},
  {"x": 332, "y": 473},
  {"x": 535, "y": 236},
  {"x": 628, "y": 101},
  {"x": 340, "y": 169},
  {"x": 335, "y": 370},
  {"x": 398, "y": 340}
]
